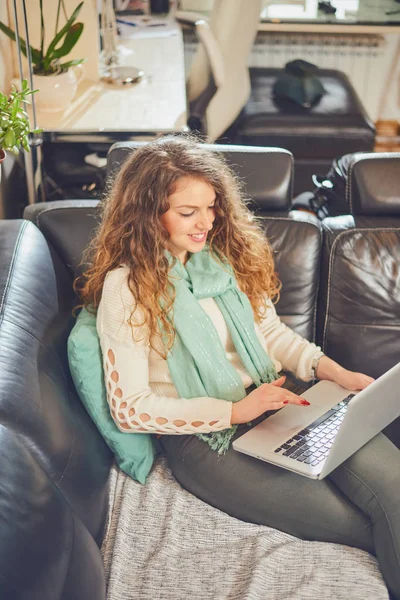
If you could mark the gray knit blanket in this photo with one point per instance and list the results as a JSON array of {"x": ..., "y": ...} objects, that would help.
[{"x": 164, "y": 543}]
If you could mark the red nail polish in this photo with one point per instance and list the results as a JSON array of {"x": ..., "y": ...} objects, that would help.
[
  {"x": 304, "y": 403},
  {"x": 286, "y": 402}
]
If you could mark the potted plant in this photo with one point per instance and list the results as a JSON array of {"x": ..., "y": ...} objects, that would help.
[
  {"x": 14, "y": 121},
  {"x": 54, "y": 76}
]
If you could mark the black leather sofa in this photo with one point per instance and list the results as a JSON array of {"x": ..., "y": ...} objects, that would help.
[
  {"x": 341, "y": 287},
  {"x": 338, "y": 124}
]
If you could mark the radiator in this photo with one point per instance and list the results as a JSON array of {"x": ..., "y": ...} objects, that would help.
[{"x": 365, "y": 58}]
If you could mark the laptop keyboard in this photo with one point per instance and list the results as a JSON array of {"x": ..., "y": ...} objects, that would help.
[{"x": 312, "y": 444}]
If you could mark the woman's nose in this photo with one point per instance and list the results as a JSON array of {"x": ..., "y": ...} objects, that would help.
[{"x": 205, "y": 222}]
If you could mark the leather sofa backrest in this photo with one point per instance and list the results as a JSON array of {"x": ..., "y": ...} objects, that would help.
[
  {"x": 359, "y": 298},
  {"x": 68, "y": 226},
  {"x": 297, "y": 254},
  {"x": 267, "y": 173},
  {"x": 297, "y": 246},
  {"x": 54, "y": 464},
  {"x": 373, "y": 184}
]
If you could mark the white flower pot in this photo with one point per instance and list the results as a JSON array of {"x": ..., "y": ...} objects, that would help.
[{"x": 56, "y": 92}]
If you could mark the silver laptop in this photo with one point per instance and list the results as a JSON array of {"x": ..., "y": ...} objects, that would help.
[{"x": 314, "y": 440}]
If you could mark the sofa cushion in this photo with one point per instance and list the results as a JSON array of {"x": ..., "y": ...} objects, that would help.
[
  {"x": 134, "y": 452},
  {"x": 359, "y": 308}
]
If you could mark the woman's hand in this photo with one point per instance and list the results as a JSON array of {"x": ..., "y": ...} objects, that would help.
[
  {"x": 354, "y": 381},
  {"x": 330, "y": 370},
  {"x": 269, "y": 396}
]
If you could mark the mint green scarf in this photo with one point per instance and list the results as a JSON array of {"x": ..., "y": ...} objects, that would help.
[{"x": 197, "y": 361}]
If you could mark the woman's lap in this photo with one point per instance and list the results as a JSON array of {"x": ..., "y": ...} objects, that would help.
[
  {"x": 334, "y": 509},
  {"x": 258, "y": 492}
]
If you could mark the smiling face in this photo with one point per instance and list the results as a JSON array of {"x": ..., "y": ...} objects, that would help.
[{"x": 190, "y": 216}]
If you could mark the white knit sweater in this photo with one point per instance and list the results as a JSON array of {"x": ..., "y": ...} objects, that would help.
[{"x": 140, "y": 391}]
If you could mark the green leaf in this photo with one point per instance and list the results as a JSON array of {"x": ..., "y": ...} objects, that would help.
[
  {"x": 9, "y": 139},
  {"x": 61, "y": 33},
  {"x": 70, "y": 40},
  {"x": 15, "y": 107},
  {"x": 36, "y": 56},
  {"x": 29, "y": 92},
  {"x": 72, "y": 63},
  {"x": 25, "y": 143}
]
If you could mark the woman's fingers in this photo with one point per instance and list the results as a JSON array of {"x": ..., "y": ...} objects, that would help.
[
  {"x": 286, "y": 398},
  {"x": 278, "y": 382},
  {"x": 366, "y": 379}
]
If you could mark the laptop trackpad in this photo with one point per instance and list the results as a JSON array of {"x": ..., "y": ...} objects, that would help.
[{"x": 291, "y": 419}]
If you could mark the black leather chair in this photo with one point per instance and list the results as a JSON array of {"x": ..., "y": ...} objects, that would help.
[
  {"x": 360, "y": 276},
  {"x": 267, "y": 173},
  {"x": 373, "y": 176},
  {"x": 336, "y": 125}
]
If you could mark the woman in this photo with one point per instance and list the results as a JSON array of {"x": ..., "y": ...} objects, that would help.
[{"x": 183, "y": 281}]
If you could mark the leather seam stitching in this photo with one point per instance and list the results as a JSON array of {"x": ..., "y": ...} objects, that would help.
[
  {"x": 316, "y": 296},
  {"x": 349, "y": 190},
  {"x": 314, "y": 331},
  {"x": 57, "y": 483}
]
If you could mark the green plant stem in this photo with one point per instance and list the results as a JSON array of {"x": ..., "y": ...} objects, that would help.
[
  {"x": 57, "y": 17},
  {"x": 42, "y": 30}
]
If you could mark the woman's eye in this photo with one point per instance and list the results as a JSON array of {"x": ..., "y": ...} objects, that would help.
[{"x": 192, "y": 213}]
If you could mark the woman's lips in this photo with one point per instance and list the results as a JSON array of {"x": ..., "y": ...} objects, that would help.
[{"x": 198, "y": 239}]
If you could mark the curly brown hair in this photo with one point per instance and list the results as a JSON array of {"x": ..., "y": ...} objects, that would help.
[{"x": 131, "y": 232}]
